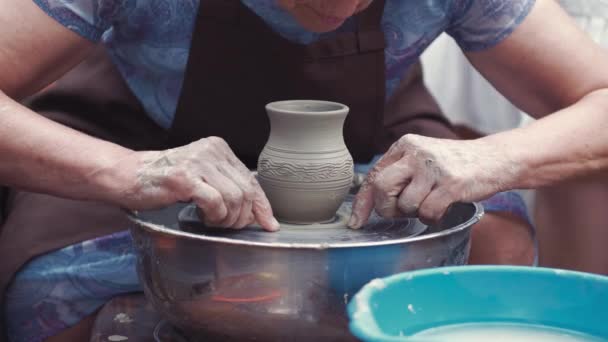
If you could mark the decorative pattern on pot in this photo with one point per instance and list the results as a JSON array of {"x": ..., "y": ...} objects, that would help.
[
  {"x": 339, "y": 169},
  {"x": 305, "y": 168}
]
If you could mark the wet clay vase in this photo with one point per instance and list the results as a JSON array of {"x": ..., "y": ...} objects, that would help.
[{"x": 305, "y": 168}]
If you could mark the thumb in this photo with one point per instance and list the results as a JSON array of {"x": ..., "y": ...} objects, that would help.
[
  {"x": 362, "y": 206},
  {"x": 364, "y": 201},
  {"x": 263, "y": 213}
]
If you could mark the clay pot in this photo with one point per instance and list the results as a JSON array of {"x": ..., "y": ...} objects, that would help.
[{"x": 305, "y": 168}]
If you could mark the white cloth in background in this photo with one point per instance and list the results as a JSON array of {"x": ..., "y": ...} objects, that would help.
[
  {"x": 592, "y": 16},
  {"x": 467, "y": 98},
  {"x": 463, "y": 94}
]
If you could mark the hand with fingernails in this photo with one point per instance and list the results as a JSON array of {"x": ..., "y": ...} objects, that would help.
[
  {"x": 207, "y": 173},
  {"x": 421, "y": 177}
]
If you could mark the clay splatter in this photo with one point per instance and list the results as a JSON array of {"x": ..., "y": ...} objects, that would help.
[{"x": 123, "y": 318}]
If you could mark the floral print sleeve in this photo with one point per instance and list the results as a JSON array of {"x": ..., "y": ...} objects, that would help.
[
  {"x": 481, "y": 24},
  {"x": 88, "y": 18}
]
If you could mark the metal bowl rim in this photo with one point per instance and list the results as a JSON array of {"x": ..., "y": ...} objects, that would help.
[{"x": 153, "y": 227}]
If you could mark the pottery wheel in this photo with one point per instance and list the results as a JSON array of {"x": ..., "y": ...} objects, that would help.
[{"x": 330, "y": 234}]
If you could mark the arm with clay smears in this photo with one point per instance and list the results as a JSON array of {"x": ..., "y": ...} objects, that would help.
[
  {"x": 557, "y": 70},
  {"x": 36, "y": 153},
  {"x": 40, "y": 155}
]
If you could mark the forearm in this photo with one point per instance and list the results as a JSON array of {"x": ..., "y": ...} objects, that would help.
[
  {"x": 40, "y": 155},
  {"x": 569, "y": 143}
]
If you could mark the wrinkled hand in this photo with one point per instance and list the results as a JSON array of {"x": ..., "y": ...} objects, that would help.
[
  {"x": 422, "y": 176},
  {"x": 208, "y": 173}
]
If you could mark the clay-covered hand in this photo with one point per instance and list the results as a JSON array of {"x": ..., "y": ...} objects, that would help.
[
  {"x": 422, "y": 176},
  {"x": 206, "y": 172}
]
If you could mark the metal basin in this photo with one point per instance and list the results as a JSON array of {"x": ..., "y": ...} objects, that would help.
[{"x": 292, "y": 285}]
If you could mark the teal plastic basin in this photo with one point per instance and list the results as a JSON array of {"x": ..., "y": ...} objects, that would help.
[{"x": 390, "y": 309}]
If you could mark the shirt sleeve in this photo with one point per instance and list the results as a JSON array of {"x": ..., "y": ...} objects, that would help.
[
  {"x": 88, "y": 18},
  {"x": 508, "y": 202},
  {"x": 482, "y": 24}
]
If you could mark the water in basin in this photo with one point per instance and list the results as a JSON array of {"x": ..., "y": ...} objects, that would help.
[{"x": 501, "y": 332}]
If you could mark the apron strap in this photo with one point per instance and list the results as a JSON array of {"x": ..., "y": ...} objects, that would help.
[
  {"x": 370, "y": 36},
  {"x": 223, "y": 10},
  {"x": 3, "y": 205}
]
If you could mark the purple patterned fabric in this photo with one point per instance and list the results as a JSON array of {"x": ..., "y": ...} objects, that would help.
[{"x": 57, "y": 290}]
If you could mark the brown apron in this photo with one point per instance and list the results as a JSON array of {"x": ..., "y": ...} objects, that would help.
[
  {"x": 227, "y": 86},
  {"x": 237, "y": 64}
]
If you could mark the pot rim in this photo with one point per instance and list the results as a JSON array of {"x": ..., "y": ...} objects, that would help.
[
  {"x": 277, "y": 106},
  {"x": 157, "y": 228}
]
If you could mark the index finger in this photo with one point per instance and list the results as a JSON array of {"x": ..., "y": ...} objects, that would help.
[
  {"x": 364, "y": 201},
  {"x": 262, "y": 210}
]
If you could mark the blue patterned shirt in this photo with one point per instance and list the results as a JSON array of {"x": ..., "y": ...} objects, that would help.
[{"x": 149, "y": 40}]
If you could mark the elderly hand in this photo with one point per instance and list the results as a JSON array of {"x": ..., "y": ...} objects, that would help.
[
  {"x": 422, "y": 176},
  {"x": 206, "y": 172}
]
